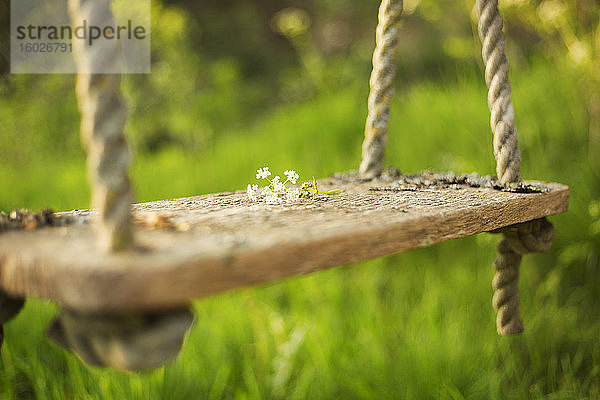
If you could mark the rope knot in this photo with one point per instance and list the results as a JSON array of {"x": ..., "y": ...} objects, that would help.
[
  {"x": 128, "y": 341},
  {"x": 519, "y": 239},
  {"x": 528, "y": 237}
]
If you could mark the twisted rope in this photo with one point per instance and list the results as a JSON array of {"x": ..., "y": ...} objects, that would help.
[
  {"x": 520, "y": 239},
  {"x": 502, "y": 121},
  {"x": 382, "y": 89},
  {"x": 125, "y": 341},
  {"x": 103, "y": 116},
  {"x": 524, "y": 238}
]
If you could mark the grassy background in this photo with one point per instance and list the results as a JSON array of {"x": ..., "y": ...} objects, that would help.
[{"x": 414, "y": 325}]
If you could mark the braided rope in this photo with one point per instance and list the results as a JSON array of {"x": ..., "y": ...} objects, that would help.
[
  {"x": 524, "y": 238},
  {"x": 382, "y": 89},
  {"x": 506, "y": 151},
  {"x": 103, "y": 116},
  {"x": 506, "y": 286},
  {"x": 520, "y": 239}
]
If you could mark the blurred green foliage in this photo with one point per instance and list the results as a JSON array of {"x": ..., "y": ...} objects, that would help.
[{"x": 237, "y": 84}]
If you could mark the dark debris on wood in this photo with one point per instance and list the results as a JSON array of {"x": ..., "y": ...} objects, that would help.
[
  {"x": 396, "y": 181},
  {"x": 23, "y": 219}
]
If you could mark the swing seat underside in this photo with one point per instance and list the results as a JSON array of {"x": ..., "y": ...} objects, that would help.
[{"x": 192, "y": 247}]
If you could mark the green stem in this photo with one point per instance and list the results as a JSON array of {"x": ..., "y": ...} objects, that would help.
[
  {"x": 329, "y": 192},
  {"x": 316, "y": 191}
]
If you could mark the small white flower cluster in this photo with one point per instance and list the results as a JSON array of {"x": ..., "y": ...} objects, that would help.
[
  {"x": 292, "y": 176},
  {"x": 263, "y": 173},
  {"x": 276, "y": 192}
]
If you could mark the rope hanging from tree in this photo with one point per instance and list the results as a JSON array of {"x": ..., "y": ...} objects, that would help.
[
  {"x": 103, "y": 116},
  {"x": 382, "y": 88},
  {"x": 502, "y": 121},
  {"x": 531, "y": 236}
]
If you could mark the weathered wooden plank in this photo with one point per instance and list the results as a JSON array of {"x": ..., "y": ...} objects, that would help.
[{"x": 208, "y": 244}]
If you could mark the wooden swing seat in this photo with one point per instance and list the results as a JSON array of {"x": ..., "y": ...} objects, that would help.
[{"x": 197, "y": 246}]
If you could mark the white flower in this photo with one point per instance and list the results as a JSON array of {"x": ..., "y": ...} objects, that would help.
[
  {"x": 278, "y": 187},
  {"x": 263, "y": 173},
  {"x": 272, "y": 198},
  {"x": 292, "y": 176},
  {"x": 292, "y": 195},
  {"x": 252, "y": 191},
  {"x": 277, "y": 190}
]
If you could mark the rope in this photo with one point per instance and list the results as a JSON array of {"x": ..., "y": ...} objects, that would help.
[
  {"x": 520, "y": 239},
  {"x": 506, "y": 151},
  {"x": 524, "y": 238},
  {"x": 103, "y": 116},
  {"x": 132, "y": 342},
  {"x": 382, "y": 90}
]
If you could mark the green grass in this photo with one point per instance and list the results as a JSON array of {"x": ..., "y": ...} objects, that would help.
[{"x": 416, "y": 325}]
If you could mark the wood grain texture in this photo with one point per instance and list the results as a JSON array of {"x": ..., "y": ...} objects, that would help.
[{"x": 230, "y": 242}]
